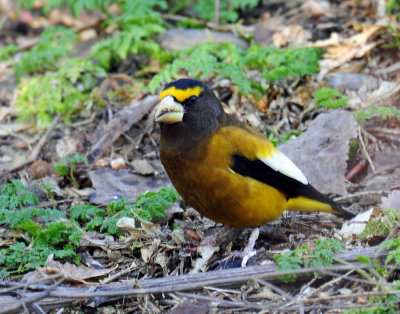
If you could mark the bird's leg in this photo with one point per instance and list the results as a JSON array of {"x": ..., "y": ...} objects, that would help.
[{"x": 248, "y": 250}]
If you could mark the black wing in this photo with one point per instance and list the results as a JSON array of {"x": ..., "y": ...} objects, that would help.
[{"x": 260, "y": 171}]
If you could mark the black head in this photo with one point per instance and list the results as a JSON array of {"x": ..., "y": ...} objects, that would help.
[{"x": 188, "y": 109}]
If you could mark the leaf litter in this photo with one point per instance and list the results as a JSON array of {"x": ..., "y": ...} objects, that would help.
[{"x": 124, "y": 163}]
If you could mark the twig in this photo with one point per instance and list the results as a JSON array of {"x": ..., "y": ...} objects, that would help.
[
  {"x": 358, "y": 194},
  {"x": 18, "y": 285},
  {"x": 35, "y": 152},
  {"x": 329, "y": 283},
  {"x": 356, "y": 169},
  {"x": 216, "y": 11},
  {"x": 218, "y": 301},
  {"x": 395, "y": 67},
  {"x": 249, "y": 305},
  {"x": 282, "y": 292},
  {"x": 364, "y": 148},
  {"x": 12, "y": 133},
  {"x": 352, "y": 296},
  {"x": 30, "y": 299},
  {"x": 189, "y": 282},
  {"x": 121, "y": 273},
  {"x": 364, "y": 281}
]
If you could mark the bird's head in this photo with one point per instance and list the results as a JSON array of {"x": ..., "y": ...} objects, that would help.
[{"x": 187, "y": 107}]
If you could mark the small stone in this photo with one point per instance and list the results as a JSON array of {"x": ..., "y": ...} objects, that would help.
[
  {"x": 118, "y": 163},
  {"x": 142, "y": 166}
]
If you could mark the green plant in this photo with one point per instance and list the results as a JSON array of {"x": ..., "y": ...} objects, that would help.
[
  {"x": 49, "y": 188},
  {"x": 57, "y": 235},
  {"x": 62, "y": 92},
  {"x": 67, "y": 165},
  {"x": 55, "y": 43},
  {"x": 329, "y": 98},
  {"x": 228, "y": 9},
  {"x": 392, "y": 5},
  {"x": 382, "y": 112},
  {"x": 137, "y": 24},
  {"x": 382, "y": 225},
  {"x": 303, "y": 256},
  {"x": 282, "y": 139},
  {"x": 49, "y": 231},
  {"x": 147, "y": 206},
  {"x": 394, "y": 246},
  {"x": 228, "y": 60},
  {"x": 7, "y": 51},
  {"x": 76, "y": 6},
  {"x": 16, "y": 195}
]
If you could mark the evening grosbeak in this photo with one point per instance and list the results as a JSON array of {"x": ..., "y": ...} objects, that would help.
[{"x": 225, "y": 169}]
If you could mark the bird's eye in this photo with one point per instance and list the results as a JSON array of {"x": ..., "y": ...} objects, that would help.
[{"x": 190, "y": 100}]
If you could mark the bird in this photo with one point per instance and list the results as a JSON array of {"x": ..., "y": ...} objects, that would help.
[{"x": 225, "y": 169}]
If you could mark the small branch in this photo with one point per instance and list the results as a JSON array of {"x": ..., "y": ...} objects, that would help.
[
  {"x": 358, "y": 194},
  {"x": 364, "y": 149},
  {"x": 31, "y": 299},
  {"x": 190, "y": 282},
  {"x": 217, "y": 4}
]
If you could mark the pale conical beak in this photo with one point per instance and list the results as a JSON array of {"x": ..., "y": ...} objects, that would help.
[{"x": 169, "y": 111}]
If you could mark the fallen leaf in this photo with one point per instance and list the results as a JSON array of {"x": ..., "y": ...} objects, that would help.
[
  {"x": 192, "y": 307},
  {"x": 113, "y": 184},
  {"x": 206, "y": 253},
  {"x": 354, "y": 227},
  {"x": 321, "y": 152},
  {"x": 73, "y": 272},
  {"x": 341, "y": 50},
  {"x": 7, "y": 129},
  {"x": 392, "y": 200}
]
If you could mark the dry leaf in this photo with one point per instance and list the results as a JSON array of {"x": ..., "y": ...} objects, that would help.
[
  {"x": 392, "y": 200},
  {"x": 7, "y": 129},
  {"x": 322, "y": 151},
  {"x": 206, "y": 253},
  {"x": 354, "y": 227},
  {"x": 72, "y": 272},
  {"x": 341, "y": 50},
  {"x": 112, "y": 184}
]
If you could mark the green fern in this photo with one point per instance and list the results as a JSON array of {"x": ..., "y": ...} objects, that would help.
[
  {"x": 228, "y": 60},
  {"x": 66, "y": 167},
  {"x": 381, "y": 226},
  {"x": 63, "y": 92},
  {"x": 382, "y": 112},
  {"x": 204, "y": 60},
  {"x": 16, "y": 195},
  {"x": 147, "y": 206},
  {"x": 55, "y": 43},
  {"x": 303, "y": 256},
  {"x": 7, "y": 52},
  {"x": 76, "y": 6},
  {"x": 228, "y": 9},
  {"x": 138, "y": 23},
  {"x": 330, "y": 98}
]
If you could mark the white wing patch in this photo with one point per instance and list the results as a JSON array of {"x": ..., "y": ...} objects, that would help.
[{"x": 280, "y": 162}]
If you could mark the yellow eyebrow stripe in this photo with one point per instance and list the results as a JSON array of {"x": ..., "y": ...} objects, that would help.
[{"x": 181, "y": 94}]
